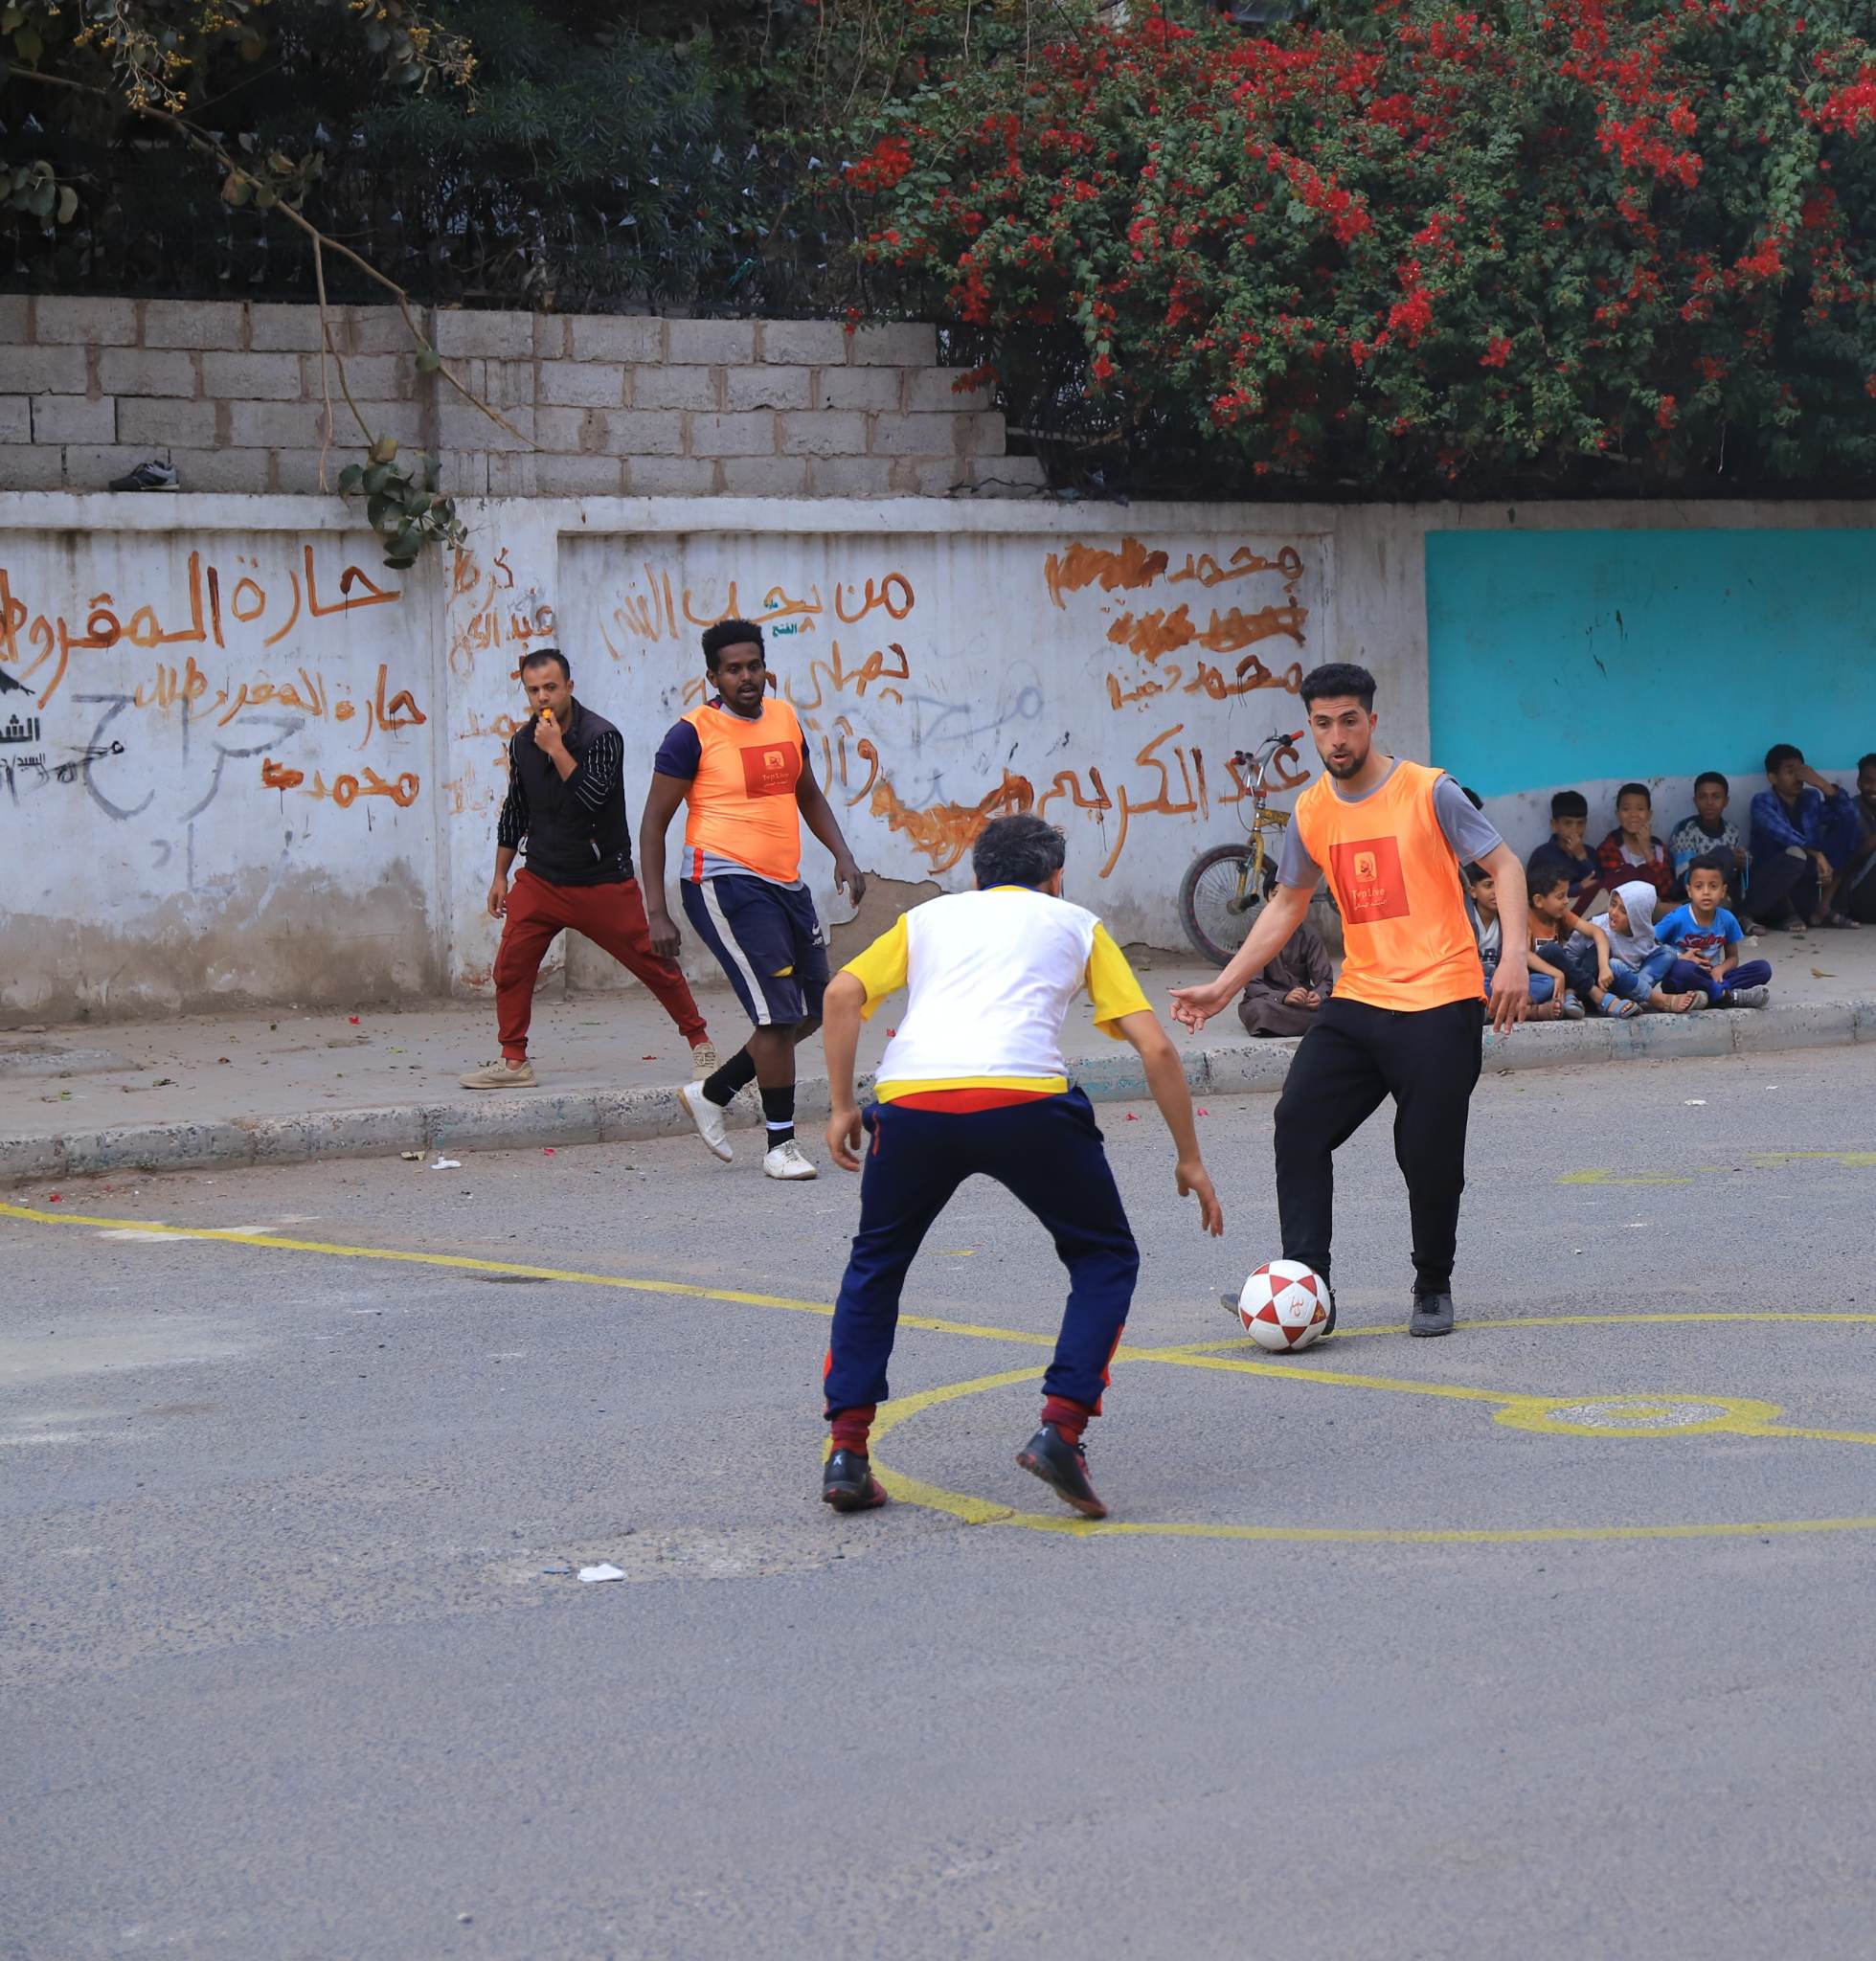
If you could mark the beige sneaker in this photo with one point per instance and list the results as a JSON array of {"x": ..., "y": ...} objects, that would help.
[
  {"x": 786, "y": 1161},
  {"x": 498, "y": 1075},
  {"x": 703, "y": 1061}
]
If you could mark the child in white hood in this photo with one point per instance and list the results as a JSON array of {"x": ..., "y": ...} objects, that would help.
[{"x": 1637, "y": 960}]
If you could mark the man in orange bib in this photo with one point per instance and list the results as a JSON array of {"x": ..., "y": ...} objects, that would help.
[
  {"x": 740, "y": 764},
  {"x": 1409, "y": 1009}
]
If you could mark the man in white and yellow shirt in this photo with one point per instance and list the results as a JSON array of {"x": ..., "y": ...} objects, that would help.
[{"x": 974, "y": 1081}]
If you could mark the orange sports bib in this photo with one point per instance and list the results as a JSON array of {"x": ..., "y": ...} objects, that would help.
[
  {"x": 742, "y": 797},
  {"x": 1409, "y": 943}
]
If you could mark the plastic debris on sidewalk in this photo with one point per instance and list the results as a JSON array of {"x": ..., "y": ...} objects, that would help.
[
  {"x": 602, "y": 1571},
  {"x": 411, "y": 1157},
  {"x": 447, "y": 1165},
  {"x": 556, "y": 1569}
]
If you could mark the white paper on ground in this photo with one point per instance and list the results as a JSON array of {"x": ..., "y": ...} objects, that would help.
[{"x": 602, "y": 1571}]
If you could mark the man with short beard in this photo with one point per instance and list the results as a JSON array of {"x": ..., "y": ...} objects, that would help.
[{"x": 1408, "y": 1014}]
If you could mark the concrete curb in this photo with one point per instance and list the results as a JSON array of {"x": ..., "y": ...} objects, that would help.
[{"x": 502, "y": 1122}]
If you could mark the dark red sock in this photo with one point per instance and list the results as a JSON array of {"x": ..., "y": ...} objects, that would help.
[
  {"x": 1068, "y": 1416},
  {"x": 850, "y": 1429}
]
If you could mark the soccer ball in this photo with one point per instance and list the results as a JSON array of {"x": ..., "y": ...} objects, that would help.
[{"x": 1284, "y": 1306}]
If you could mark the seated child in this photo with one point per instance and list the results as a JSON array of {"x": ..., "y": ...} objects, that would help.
[
  {"x": 1703, "y": 940},
  {"x": 1566, "y": 949},
  {"x": 1284, "y": 997},
  {"x": 1483, "y": 888},
  {"x": 1570, "y": 819},
  {"x": 1804, "y": 829},
  {"x": 1638, "y": 965},
  {"x": 1855, "y": 894},
  {"x": 1710, "y": 832},
  {"x": 1632, "y": 850}
]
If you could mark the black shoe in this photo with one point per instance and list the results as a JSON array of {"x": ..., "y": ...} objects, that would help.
[
  {"x": 1064, "y": 1467},
  {"x": 1432, "y": 1315},
  {"x": 848, "y": 1485},
  {"x": 149, "y": 476}
]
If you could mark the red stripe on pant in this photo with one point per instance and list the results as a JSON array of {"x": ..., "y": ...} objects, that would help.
[{"x": 611, "y": 916}]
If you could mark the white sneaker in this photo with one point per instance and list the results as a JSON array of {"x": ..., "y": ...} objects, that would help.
[
  {"x": 785, "y": 1160},
  {"x": 1747, "y": 996},
  {"x": 703, "y": 1061},
  {"x": 708, "y": 1116}
]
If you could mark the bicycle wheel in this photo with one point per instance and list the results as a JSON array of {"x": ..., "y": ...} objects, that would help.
[{"x": 1217, "y": 902}]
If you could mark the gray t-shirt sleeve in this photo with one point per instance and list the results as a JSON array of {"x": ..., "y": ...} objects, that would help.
[
  {"x": 1296, "y": 867},
  {"x": 1466, "y": 830}
]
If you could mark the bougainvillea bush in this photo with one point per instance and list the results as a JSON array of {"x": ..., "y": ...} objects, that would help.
[{"x": 1569, "y": 245}]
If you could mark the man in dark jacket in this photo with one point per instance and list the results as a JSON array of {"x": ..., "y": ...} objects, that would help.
[
  {"x": 1283, "y": 1000},
  {"x": 567, "y": 798}
]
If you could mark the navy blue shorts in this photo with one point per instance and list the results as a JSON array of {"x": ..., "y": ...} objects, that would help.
[{"x": 767, "y": 940}]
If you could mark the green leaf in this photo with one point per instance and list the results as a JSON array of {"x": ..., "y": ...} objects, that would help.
[
  {"x": 375, "y": 478},
  {"x": 385, "y": 450},
  {"x": 68, "y": 205},
  {"x": 428, "y": 360},
  {"x": 27, "y": 46},
  {"x": 350, "y": 478}
]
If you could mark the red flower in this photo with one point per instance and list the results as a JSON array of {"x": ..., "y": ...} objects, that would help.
[{"x": 1497, "y": 351}]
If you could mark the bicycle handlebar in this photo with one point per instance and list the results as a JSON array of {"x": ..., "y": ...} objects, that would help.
[{"x": 1272, "y": 745}]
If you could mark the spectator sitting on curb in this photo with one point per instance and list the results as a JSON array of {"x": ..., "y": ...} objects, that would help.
[
  {"x": 1644, "y": 970},
  {"x": 1285, "y": 999},
  {"x": 1710, "y": 832},
  {"x": 1632, "y": 850},
  {"x": 1486, "y": 923},
  {"x": 1564, "y": 850},
  {"x": 1803, "y": 831},
  {"x": 1704, "y": 937},
  {"x": 1858, "y": 891}
]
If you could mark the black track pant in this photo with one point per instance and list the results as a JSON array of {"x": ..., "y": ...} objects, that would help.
[{"x": 1349, "y": 1060}]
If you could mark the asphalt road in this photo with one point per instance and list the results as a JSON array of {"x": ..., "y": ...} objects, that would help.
[{"x": 1394, "y": 1671}]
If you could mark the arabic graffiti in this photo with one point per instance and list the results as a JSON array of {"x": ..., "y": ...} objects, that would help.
[
  {"x": 928, "y": 716},
  {"x": 347, "y": 789},
  {"x": 486, "y": 613},
  {"x": 76, "y": 763},
  {"x": 650, "y": 614},
  {"x": 1130, "y": 566},
  {"x": 50, "y": 641}
]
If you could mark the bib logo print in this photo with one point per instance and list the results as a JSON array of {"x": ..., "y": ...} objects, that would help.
[
  {"x": 1369, "y": 883},
  {"x": 770, "y": 771}
]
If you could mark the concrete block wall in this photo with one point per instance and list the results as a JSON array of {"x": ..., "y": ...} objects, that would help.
[{"x": 600, "y": 405}]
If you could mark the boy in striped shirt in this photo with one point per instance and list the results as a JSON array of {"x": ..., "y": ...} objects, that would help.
[{"x": 974, "y": 1081}]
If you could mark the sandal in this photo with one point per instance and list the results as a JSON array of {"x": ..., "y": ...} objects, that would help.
[
  {"x": 1842, "y": 922},
  {"x": 1616, "y": 1008}
]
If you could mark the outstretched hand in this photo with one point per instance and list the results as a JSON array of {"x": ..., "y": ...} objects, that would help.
[
  {"x": 1195, "y": 1182},
  {"x": 1195, "y": 1005}
]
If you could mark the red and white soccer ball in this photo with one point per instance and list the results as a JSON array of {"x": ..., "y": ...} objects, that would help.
[{"x": 1284, "y": 1306}]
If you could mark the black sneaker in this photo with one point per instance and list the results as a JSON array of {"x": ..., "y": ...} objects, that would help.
[
  {"x": 848, "y": 1485},
  {"x": 1064, "y": 1467},
  {"x": 1432, "y": 1315},
  {"x": 149, "y": 476}
]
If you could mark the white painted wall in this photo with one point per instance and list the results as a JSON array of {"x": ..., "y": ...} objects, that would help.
[{"x": 168, "y": 874}]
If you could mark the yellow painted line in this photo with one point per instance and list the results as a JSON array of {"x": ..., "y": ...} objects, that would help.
[
  {"x": 1335, "y": 1378},
  {"x": 463, "y": 1262}
]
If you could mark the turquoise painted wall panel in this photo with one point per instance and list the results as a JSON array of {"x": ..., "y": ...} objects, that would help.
[{"x": 1581, "y": 657}]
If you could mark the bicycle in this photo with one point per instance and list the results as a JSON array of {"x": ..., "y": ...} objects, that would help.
[{"x": 1224, "y": 886}]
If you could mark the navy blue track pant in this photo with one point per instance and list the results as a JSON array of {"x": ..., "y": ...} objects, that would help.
[{"x": 1047, "y": 1154}]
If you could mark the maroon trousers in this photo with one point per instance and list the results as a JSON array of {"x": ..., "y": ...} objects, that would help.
[{"x": 611, "y": 916}]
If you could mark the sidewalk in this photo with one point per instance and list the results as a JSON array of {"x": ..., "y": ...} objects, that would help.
[{"x": 281, "y": 1087}]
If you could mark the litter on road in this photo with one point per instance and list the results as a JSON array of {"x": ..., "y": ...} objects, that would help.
[{"x": 602, "y": 1571}]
